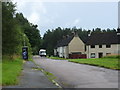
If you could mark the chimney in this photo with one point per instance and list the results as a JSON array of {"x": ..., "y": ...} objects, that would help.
[
  {"x": 89, "y": 34},
  {"x": 118, "y": 31},
  {"x": 73, "y": 33}
]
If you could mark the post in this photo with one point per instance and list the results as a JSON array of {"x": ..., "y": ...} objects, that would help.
[{"x": 24, "y": 39}]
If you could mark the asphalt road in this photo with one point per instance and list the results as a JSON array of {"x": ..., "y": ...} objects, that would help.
[{"x": 73, "y": 75}]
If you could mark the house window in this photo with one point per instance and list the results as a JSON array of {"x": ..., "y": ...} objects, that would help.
[
  {"x": 108, "y": 46},
  {"x": 85, "y": 48},
  {"x": 108, "y": 54},
  {"x": 92, "y": 46},
  {"x": 100, "y": 55},
  {"x": 100, "y": 46},
  {"x": 92, "y": 55}
]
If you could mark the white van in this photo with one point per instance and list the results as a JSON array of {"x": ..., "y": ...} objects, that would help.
[{"x": 42, "y": 52}]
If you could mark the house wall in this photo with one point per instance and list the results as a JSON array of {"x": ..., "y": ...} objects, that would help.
[
  {"x": 113, "y": 50},
  {"x": 76, "y": 45},
  {"x": 62, "y": 51},
  {"x": 55, "y": 51},
  {"x": 65, "y": 52}
]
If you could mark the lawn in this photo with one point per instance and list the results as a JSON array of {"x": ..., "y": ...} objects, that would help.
[
  {"x": 11, "y": 69},
  {"x": 57, "y": 58},
  {"x": 111, "y": 62},
  {"x": 107, "y": 62}
]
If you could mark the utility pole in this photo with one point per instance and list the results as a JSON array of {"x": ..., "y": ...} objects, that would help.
[{"x": 24, "y": 39}]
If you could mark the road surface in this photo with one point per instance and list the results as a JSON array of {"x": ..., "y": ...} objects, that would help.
[{"x": 73, "y": 75}]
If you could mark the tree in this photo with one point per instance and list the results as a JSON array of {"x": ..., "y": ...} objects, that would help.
[
  {"x": 12, "y": 33},
  {"x": 9, "y": 34},
  {"x": 31, "y": 32}
]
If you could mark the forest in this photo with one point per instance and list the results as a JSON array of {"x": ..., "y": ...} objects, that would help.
[{"x": 16, "y": 28}]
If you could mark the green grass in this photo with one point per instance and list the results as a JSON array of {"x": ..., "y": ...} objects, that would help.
[
  {"x": 107, "y": 62},
  {"x": 11, "y": 69},
  {"x": 57, "y": 58},
  {"x": 0, "y": 73},
  {"x": 111, "y": 62}
]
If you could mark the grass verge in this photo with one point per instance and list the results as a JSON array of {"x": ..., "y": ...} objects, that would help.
[
  {"x": 0, "y": 73},
  {"x": 57, "y": 58},
  {"x": 11, "y": 69},
  {"x": 107, "y": 62}
]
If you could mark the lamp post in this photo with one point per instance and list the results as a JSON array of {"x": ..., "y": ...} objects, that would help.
[{"x": 24, "y": 39}]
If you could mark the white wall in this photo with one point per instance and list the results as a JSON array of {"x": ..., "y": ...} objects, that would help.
[
  {"x": 55, "y": 52},
  {"x": 65, "y": 52}
]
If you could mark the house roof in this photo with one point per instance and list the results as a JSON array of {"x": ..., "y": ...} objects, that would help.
[
  {"x": 103, "y": 38},
  {"x": 94, "y": 39},
  {"x": 65, "y": 41}
]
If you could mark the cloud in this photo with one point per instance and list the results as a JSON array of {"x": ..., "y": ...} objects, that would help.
[
  {"x": 34, "y": 18},
  {"x": 76, "y": 21},
  {"x": 31, "y": 9}
]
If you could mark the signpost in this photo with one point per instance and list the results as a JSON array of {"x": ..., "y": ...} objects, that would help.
[{"x": 25, "y": 53}]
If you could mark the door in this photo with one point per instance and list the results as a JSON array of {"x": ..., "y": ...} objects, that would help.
[{"x": 100, "y": 55}]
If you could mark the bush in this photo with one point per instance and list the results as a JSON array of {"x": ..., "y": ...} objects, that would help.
[{"x": 112, "y": 56}]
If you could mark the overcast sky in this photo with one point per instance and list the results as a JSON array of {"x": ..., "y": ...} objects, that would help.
[{"x": 86, "y": 15}]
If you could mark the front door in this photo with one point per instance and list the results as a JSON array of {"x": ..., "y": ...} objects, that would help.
[{"x": 100, "y": 55}]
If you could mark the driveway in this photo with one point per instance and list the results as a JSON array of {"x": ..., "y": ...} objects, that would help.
[{"x": 73, "y": 75}]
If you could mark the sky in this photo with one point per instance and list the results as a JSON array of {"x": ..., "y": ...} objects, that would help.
[{"x": 67, "y": 14}]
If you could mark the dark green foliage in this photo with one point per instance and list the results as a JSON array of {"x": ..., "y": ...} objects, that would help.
[
  {"x": 10, "y": 34},
  {"x": 16, "y": 29},
  {"x": 31, "y": 31}
]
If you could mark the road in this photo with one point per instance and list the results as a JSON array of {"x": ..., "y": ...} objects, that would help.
[{"x": 73, "y": 75}]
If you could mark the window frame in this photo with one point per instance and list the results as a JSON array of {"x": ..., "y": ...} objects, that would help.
[
  {"x": 100, "y": 46},
  {"x": 108, "y": 46},
  {"x": 91, "y": 55},
  {"x": 92, "y": 46}
]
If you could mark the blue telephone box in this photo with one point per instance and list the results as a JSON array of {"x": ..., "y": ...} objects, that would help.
[{"x": 25, "y": 53}]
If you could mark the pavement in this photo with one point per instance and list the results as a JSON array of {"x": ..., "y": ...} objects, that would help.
[
  {"x": 73, "y": 75},
  {"x": 31, "y": 77}
]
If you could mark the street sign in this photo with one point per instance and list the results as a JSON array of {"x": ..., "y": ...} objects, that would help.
[{"x": 25, "y": 53}]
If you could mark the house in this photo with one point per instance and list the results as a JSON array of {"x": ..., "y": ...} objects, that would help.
[
  {"x": 97, "y": 45},
  {"x": 70, "y": 45},
  {"x": 103, "y": 44}
]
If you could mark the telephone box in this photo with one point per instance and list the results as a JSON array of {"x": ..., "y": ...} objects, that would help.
[{"x": 25, "y": 53}]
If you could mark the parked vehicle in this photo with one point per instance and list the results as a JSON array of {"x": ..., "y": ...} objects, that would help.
[{"x": 42, "y": 52}]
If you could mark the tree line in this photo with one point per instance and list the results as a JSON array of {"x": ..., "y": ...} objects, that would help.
[{"x": 15, "y": 30}]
